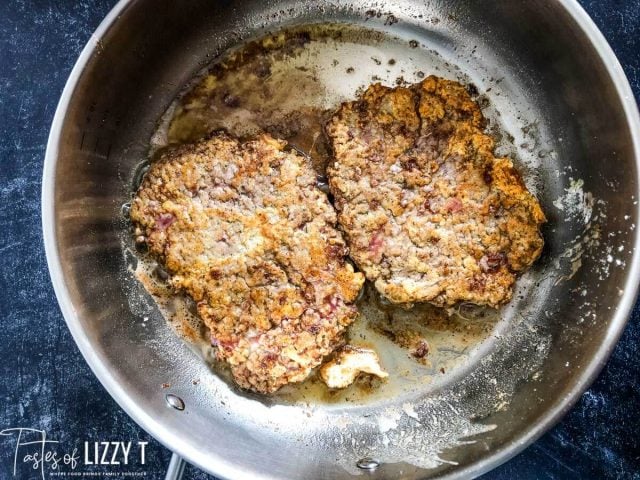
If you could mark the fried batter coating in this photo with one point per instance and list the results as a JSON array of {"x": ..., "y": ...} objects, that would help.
[
  {"x": 429, "y": 213},
  {"x": 243, "y": 230}
]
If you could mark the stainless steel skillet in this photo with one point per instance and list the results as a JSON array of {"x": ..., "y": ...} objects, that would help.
[{"x": 551, "y": 82}]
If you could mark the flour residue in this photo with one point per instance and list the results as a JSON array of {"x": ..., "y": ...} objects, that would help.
[{"x": 576, "y": 204}]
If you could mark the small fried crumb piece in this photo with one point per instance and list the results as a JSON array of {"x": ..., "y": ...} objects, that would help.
[{"x": 348, "y": 363}]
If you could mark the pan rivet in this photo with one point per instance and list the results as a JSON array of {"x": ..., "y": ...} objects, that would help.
[
  {"x": 126, "y": 210},
  {"x": 367, "y": 464},
  {"x": 174, "y": 401}
]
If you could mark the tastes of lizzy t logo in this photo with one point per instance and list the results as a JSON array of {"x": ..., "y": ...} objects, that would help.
[{"x": 32, "y": 447}]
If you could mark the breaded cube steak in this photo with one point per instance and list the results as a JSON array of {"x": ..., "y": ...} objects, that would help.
[
  {"x": 430, "y": 214},
  {"x": 243, "y": 230}
]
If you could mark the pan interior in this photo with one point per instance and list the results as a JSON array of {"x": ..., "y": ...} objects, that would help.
[
  {"x": 288, "y": 83},
  {"x": 548, "y": 97}
]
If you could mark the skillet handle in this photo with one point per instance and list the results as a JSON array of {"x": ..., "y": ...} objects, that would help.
[{"x": 176, "y": 468}]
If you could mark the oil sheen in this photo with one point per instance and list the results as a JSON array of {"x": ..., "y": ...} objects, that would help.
[{"x": 288, "y": 84}]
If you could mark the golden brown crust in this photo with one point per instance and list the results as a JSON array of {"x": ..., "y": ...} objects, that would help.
[
  {"x": 429, "y": 213},
  {"x": 243, "y": 230}
]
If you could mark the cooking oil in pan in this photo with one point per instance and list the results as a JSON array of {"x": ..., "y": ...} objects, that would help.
[
  {"x": 417, "y": 345},
  {"x": 288, "y": 84}
]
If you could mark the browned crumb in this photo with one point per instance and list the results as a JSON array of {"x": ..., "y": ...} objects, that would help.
[
  {"x": 407, "y": 338},
  {"x": 348, "y": 363}
]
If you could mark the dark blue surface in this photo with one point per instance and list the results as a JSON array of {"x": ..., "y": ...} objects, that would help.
[{"x": 45, "y": 383}]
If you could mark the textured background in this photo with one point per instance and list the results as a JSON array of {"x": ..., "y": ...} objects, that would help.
[{"x": 45, "y": 383}]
